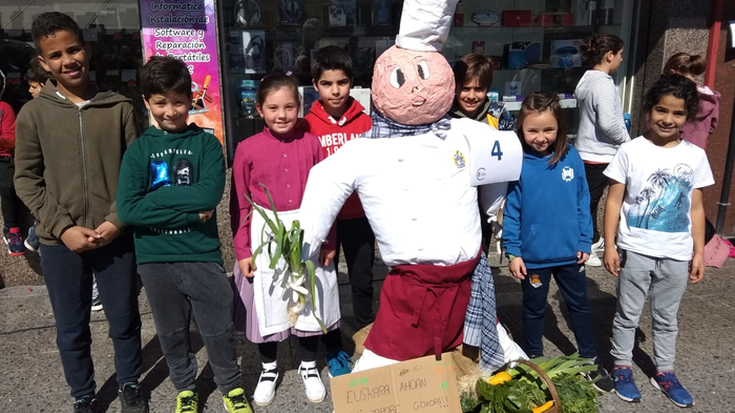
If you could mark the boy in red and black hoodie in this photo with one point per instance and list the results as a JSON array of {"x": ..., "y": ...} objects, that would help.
[
  {"x": 11, "y": 204},
  {"x": 337, "y": 118}
]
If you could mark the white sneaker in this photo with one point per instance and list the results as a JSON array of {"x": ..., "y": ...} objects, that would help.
[
  {"x": 315, "y": 391},
  {"x": 599, "y": 245},
  {"x": 265, "y": 391},
  {"x": 594, "y": 260}
]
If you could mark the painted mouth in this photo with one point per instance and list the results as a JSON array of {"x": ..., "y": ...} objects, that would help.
[{"x": 419, "y": 102}]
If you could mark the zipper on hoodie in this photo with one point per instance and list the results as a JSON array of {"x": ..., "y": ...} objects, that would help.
[{"x": 85, "y": 195}]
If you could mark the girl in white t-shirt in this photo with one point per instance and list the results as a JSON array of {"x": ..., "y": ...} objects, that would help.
[{"x": 655, "y": 193}]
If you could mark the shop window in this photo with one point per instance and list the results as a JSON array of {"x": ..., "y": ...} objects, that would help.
[
  {"x": 261, "y": 37},
  {"x": 111, "y": 28},
  {"x": 533, "y": 43}
]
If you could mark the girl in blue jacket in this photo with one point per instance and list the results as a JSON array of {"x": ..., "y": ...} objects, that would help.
[{"x": 547, "y": 228}]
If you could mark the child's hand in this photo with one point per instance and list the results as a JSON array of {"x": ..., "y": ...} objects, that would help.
[
  {"x": 205, "y": 215},
  {"x": 107, "y": 232},
  {"x": 582, "y": 257},
  {"x": 518, "y": 268},
  {"x": 612, "y": 260},
  {"x": 246, "y": 267},
  {"x": 696, "y": 270},
  {"x": 327, "y": 256},
  {"x": 79, "y": 239}
]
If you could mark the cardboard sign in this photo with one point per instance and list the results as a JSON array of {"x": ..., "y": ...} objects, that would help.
[
  {"x": 422, "y": 385},
  {"x": 495, "y": 156}
]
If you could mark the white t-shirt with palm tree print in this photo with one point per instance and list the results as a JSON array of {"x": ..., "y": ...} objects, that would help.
[{"x": 655, "y": 219}]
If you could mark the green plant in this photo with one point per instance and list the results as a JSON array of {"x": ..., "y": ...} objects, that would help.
[
  {"x": 299, "y": 276},
  {"x": 522, "y": 390}
]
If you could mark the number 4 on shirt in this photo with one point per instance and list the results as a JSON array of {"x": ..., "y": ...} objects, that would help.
[{"x": 496, "y": 151}]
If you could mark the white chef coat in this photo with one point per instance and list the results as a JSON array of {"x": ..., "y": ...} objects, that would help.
[{"x": 415, "y": 191}]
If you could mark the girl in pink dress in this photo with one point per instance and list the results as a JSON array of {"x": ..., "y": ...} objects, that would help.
[{"x": 280, "y": 158}]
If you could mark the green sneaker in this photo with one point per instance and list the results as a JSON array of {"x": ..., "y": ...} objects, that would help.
[
  {"x": 235, "y": 401},
  {"x": 187, "y": 402}
]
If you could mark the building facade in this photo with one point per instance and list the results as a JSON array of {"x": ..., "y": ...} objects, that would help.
[{"x": 534, "y": 45}]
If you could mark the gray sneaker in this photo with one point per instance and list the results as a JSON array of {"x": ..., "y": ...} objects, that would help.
[{"x": 32, "y": 242}]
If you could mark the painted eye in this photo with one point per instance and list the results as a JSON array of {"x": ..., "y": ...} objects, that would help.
[
  {"x": 423, "y": 68},
  {"x": 396, "y": 78}
]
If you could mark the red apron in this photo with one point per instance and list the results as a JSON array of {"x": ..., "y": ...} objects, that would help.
[{"x": 422, "y": 310}]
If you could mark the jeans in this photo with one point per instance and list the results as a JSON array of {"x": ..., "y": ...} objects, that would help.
[
  {"x": 358, "y": 241},
  {"x": 68, "y": 277},
  {"x": 572, "y": 282},
  {"x": 174, "y": 289},
  {"x": 9, "y": 201}
]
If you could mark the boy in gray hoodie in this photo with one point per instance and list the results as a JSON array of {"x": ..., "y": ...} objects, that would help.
[{"x": 68, "y": 153}]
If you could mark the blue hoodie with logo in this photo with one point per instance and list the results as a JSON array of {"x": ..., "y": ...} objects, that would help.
[{"x": 547, "y": 213}]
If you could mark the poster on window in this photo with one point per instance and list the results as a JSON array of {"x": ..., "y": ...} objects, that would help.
[{"x": 186, "y": 30}]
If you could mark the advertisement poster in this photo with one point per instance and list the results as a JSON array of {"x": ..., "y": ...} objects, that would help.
[{"x": 186, "y": 29}]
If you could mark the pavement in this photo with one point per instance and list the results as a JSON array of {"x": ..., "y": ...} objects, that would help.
[{"x": 32, "y": 377}]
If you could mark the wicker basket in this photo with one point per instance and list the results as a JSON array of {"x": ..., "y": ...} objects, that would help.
[{"x": 556, "y": 408}]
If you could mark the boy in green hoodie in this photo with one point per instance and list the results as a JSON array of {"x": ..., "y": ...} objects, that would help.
[
  {"x": 171, "y": 181},
  {"x": 70, "y": 143}
]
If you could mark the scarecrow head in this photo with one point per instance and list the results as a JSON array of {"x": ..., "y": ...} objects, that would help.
[{"x": 413, "y": 83}]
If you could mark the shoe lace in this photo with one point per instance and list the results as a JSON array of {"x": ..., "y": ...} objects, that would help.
[
  {"x": 14, "y": 238},
  {"x": 131, "y": 395},
  {"x": 238, "y": 400},
  {"x": 667, "y": 380},
  {"x": 187, "y": 402},
  {"x": 83, "y": 405},
  {"x": 623, "y": 375}
]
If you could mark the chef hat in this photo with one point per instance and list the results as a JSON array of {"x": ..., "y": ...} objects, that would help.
[{"x": 425, "y": 24}]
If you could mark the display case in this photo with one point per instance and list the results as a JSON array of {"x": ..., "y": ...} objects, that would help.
[
  {"x": 110, "y": 29},
  {"x": 260, "y": 37},
  {"x": 534, "y": 44}
]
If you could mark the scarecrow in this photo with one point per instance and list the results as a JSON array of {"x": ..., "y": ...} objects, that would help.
[{"x": 418, "y": 174}]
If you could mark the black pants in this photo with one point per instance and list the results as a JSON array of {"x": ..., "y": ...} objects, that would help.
[
  {"x": 572, "y": 282},
  {"x": 308, "y": 347},
  {"x": 174, "y": 289},
  {"x": 358, "y": 241},
  {"x": 9, "y": 201},
  {"x": 597, "y": 182},
  {"x": 68, "y": 277}
]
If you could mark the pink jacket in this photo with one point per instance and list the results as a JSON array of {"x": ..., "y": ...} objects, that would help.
[{"x": 698, "y": 130}]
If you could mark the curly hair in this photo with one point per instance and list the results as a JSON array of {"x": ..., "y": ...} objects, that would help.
[
  {"x": 675, "y": 85},
  {"x": 49, "y": 23}
]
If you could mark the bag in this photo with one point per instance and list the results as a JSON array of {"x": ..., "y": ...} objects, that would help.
[{"x": 716, "y": 252}]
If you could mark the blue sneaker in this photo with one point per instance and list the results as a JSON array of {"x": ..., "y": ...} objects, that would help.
[
  {"x": 338, "y": 362},
  {"x": 14, "y": 241},
  {"x": 625, "y": 386},
  {"x": 667, "y": 382}
]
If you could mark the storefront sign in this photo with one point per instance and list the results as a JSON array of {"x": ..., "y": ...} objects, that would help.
[{"x": 186, "y": 29}]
